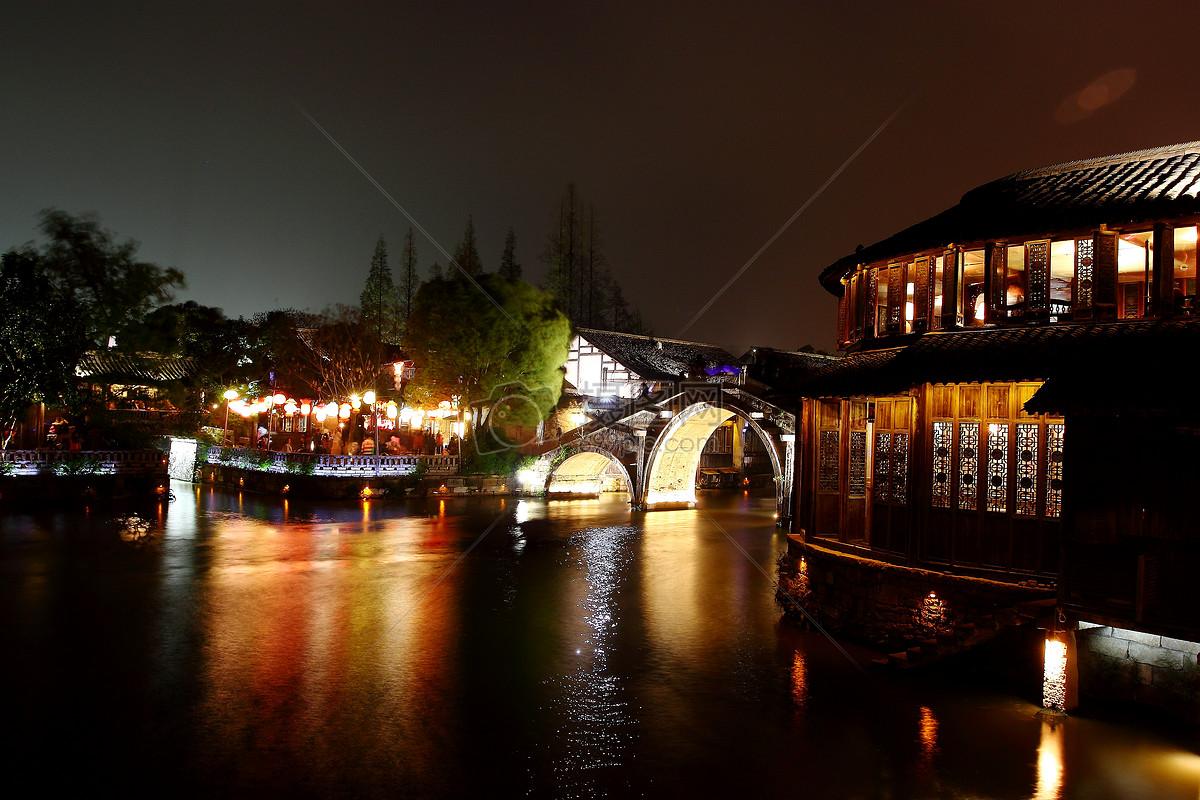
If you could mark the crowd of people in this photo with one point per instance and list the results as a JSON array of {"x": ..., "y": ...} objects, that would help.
[{"x": 398, "y": 443}]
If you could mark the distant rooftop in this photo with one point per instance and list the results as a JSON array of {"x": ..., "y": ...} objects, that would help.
[
  {"x": 1126, "y": 188},
  {"x": 659, "y": 359},
  {"x": 135, "y": 369}
]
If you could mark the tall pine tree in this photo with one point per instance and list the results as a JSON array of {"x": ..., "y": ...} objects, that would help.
[
  {"x": 509, "y": 266},
  {"x": 378, "y": 303},
  {"x": 409, "y": 280},
  {"x": 466, "y": 255}
]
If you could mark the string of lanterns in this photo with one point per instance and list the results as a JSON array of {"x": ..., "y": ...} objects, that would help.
[{"x": 280, "y": 403}]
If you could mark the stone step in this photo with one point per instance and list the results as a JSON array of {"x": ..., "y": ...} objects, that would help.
[
  {"x": 930, "y": 648},
  {"x": 898, "y": 659}
]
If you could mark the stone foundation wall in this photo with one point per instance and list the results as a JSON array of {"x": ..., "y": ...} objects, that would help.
[
  {"x": 78, "y": 490},
  {"x": 1120, "y": 664},
  {"x": 886, "y": 604}
]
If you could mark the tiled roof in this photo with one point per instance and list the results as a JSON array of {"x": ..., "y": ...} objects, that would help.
[
  {"x": 1108, "y": 355},
  {"x": 658, "y": 359},
  {"x": 1144, "y": 185},
  {"x": 105, "y": 366},
  {"x": 784, "y": 370}
]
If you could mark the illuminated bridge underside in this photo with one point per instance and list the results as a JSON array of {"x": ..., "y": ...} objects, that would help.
[
  {"x": 582, "y": 474},
  {"x": 673, "y": 468}
]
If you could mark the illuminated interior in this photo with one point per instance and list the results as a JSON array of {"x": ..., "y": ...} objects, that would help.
[{"x": 971, "y": 296}]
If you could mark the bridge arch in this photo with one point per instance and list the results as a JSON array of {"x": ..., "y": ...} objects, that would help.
[
  {"x": 583, "y": 471},
  {"x": 675, "y": 459}
]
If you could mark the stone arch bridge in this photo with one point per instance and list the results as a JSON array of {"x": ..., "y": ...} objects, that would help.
[{"x": 655, "y": 444}]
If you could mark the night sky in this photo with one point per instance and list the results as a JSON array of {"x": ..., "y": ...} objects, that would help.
[{"x": 696, "y": 130}]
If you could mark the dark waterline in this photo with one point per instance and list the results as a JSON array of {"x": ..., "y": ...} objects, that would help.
[{"x": 490, "y": 648}]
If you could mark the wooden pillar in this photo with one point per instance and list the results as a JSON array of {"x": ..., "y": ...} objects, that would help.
[
  {"x": 950, "y": 289},
  {"x": 1163, "y": 280},
  {"x": 1105, "y": 269},
  {"x": 995, "y": 261}
]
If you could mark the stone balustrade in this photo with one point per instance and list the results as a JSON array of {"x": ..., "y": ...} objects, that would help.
[
  {"x": 331, "y": 465},
  {"x": 82, "y": 462}
]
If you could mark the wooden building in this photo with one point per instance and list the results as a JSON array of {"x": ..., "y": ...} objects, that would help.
[{"x": 1015, "y": 403}]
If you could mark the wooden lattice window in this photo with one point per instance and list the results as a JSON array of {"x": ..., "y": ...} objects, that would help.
[
  {"x": 895, "y": 298},
  {"x": 858, "y": 464},
  {"x": 997, "y": 467},
  {"x": 943, "y": 431},
  {"x": 1027, "y": 469},
  {"x": 968, "y": 466},
  {"x": 1054, "y": 469},
  {"x": 1085, "y": 275},
  {"x": 1037, "y": 264}
]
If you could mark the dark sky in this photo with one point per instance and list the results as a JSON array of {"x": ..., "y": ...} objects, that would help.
[{"x": 696, "y": 130}]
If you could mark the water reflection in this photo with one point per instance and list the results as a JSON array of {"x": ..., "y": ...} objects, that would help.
[
  {"x": 595, "y": 725},
  {"x": 264, "y": 645},
  {"x": 799, "y": 685},
  {"x": 1050, "y": 760},
  {"x": 927, "y": 733}
]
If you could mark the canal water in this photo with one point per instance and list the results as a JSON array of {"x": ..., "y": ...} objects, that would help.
[{"x": 256, "y": 646}]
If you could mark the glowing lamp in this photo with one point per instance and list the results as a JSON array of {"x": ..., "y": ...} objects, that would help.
[
  {"x": 369, "y": 397},
  {"x": 355, "y": 402},
  {"x": 344, "y": 411},
  {"x": 320, "y": 415},
  {"x": 331, "y": 410},
  {"x": 305, "y": 409},
  {"x": 289, "y": 407},
  {"x": 392, "y": 411},
  {"x": 231, "y": 394}
]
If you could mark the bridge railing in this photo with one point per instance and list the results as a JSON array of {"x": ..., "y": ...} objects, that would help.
[
  {"x": 81, "y": 462},
  {"x": 332, "y": 465}
]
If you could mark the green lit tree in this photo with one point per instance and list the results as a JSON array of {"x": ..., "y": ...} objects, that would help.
[{"x": 509, "y": 339}]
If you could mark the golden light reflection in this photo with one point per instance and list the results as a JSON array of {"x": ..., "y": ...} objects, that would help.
[
  {"x": 1050, "y": 760},
  {"x": 799, "y": 684},
  {"x": 928, "y": 733}
]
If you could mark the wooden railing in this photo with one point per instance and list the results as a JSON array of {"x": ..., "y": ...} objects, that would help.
[
  {"x": 82, "y": 462},
  {"x": 332, "y": 466}
]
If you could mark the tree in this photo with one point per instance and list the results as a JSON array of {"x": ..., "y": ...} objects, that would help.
[
  {"x": 509, "y": 340},
  {"x": 579, "y": 276},
  {"x": 41, "y": 338},
  {"x": 466, "y": 255},
  {"x": 379, "y": 305},
  {"x": 509, "y": 266},
  {"x": 334, "y": 356},
  {"x": 112, "y": 289},
  {"x": 562, "y": 255},
  {"x": 410, "y": 282},
  {"x": 220, "y": 348},
  {"x": 435, "y": 272}
]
